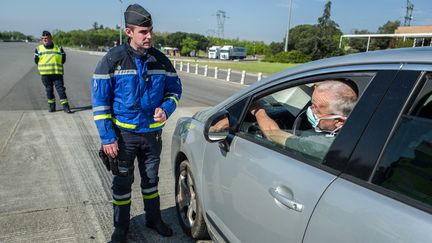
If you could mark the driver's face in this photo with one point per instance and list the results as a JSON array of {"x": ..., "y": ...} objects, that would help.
[{"x": 321, "y": 107}]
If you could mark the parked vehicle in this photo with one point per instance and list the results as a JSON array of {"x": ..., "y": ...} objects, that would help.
[
  {"x": 373, "y": 185},
  {"x": 233, "y": 52},
  {"x": 214, "y": 52}
]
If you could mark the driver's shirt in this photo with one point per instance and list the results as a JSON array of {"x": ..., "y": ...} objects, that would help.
[{"x": 309, "y": 142}]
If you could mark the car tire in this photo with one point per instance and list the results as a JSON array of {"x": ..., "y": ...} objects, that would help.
[{"x": 188, "y": 206}]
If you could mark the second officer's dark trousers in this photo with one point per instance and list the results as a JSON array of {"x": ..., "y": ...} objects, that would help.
[
  {"x": 49, "y": 81},
  {"x": 146, "y": 147}
]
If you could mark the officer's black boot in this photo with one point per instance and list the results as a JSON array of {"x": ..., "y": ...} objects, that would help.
[
  {"x": 66, "y": 108},
  {"x": 52, "y": 107},
  {"x": 153, "y": 217},
  {"x": 119, "y": 236}
]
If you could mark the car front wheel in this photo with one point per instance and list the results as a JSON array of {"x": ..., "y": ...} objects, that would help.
[{"x": 189, "y": 210}]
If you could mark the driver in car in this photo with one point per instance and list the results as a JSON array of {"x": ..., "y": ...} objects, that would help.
[{"x": 332, "y": 101}]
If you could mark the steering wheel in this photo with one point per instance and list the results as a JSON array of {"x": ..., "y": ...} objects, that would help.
[
  {"x": 255, "y": 129},
  {"x": 298, "y": 122}
]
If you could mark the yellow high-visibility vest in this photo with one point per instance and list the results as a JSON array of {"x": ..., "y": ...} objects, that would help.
[{"x": 50, "y": 60}]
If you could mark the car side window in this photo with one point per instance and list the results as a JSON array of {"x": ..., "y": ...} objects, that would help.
[
  {"x": 406, "y": 164},
  {"x": 302, "y": 120}
]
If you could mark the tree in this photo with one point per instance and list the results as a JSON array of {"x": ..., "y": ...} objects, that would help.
[
  {"x": 175, "y": 39},
  {"x": 216, "y": 41},
  {"x": 12, "y": 36},
  {"x": 324, "y": 22},
  {"x": 328, "y": 34},
  {"x": 62, "y": 38},
  {"x": 293, "y": 56},
  {"x": 202, "y": 41},
  {"x": 387, "y": 28},
  {"x": 95, "y": 25},
  {"x": 319, "y": 40},
  {"x": 304, "y": 38},
  {"x": 359, "y": 44},
  {"x": 158, "y": 39},
  {"x": 187, "y": 46},
  {"x": 276, "y": 47},
  {"x": 94, "y": 38}
]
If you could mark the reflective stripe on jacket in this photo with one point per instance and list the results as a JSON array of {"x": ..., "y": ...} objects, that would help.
[
  {"x": 50, "y": 60},
  {"x": 127, "y": 87}
]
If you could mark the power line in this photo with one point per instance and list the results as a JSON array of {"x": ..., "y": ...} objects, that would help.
[
  {"x": 220, "y": 18},
  {"x": 408, "y": 15}
]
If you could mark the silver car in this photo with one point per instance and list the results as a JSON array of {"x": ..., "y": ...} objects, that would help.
[{"x": 372, "y": 184}]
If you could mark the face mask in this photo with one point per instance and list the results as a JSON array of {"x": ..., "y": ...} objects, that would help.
[{"x": 314, "y": 120}]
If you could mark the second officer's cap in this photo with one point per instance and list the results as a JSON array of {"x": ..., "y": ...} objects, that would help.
[
  {"x": 137, "y": 15},
  {"x": 46, "y": 33}
]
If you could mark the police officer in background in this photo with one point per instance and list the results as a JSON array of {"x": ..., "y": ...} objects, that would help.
[
  {"x": 135, "y": 88},
  {"x": 50, "y": 58}
]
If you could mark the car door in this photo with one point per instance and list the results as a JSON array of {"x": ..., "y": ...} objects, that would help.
[
  {"x": 385, "y": 194},
  {"x": 254, "y": 191}
]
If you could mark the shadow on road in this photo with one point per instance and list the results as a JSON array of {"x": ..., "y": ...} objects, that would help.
[
  {"x": 138, "y": 232},
  {"x": 82, "y": 108}
]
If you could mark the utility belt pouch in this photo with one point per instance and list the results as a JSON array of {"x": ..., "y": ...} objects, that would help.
[
  {"x": 125, "y": 168},
  {"x": 110, "y": 163},
  {"x": 114, "y": 166},
  {"x": 105, "y": 159}
]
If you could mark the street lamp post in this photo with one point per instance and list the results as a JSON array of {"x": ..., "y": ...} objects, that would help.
[
  {"x": 121, "y": 20},
  {"x": 254, "y": 55},
  {"x": 288, "y": 28}
]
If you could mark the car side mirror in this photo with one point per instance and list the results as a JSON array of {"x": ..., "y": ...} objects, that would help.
[{"x": 217, "y": 127}]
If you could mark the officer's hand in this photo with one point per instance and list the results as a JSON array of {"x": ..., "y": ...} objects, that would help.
[
  {"x": 111, "y": 149},
  {"x": 159, "y": 115}
]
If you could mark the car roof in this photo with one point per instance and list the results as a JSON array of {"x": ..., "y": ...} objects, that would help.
[{"x": 417, "y": 55}]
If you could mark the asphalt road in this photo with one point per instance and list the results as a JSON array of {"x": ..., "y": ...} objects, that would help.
[{"x": 53, "y": 188}]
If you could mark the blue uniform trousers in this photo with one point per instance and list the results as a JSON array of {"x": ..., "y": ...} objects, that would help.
[
  {"x": 49, "y": 81},
  {"x": 146, "y": 147}
]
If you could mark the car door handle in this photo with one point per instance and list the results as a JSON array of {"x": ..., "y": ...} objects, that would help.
[{"x": 285, "y": 201}]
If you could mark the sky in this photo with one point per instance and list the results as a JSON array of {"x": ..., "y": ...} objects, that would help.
[{"x": 253, "y": 20}]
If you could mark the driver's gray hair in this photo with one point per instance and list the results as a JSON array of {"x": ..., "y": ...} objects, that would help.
[{"x": 343, "y": 96}]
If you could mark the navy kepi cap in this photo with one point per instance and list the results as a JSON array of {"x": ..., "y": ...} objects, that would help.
[
  {"x": 46, "y": 33},
  {"x": 137, "y": 15}
]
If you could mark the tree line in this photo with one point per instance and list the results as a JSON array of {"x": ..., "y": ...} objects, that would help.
[
  {"x": 13, "y": 36},
  {"x": 306, "y": 42}
]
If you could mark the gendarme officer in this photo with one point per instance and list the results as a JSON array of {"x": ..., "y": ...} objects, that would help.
[
  {"x": 135, "y": 88},
  {"x": 50, "y": 58}
]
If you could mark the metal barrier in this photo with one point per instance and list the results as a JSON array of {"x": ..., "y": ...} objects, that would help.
[{"x": 228, "y": 75}]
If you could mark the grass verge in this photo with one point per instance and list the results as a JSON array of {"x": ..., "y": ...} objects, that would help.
[{"x": 249, "y": 66}]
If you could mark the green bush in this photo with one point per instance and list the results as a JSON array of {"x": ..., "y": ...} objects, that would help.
[
  {"x": 288, "y": 57},
  {"x": 406, "y": 43}
]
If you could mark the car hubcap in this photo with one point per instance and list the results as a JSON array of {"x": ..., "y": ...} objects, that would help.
[{"x": 186, "y": 198}]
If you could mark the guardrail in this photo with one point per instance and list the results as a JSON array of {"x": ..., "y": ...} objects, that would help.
[{"x": 228, "y": 75}]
